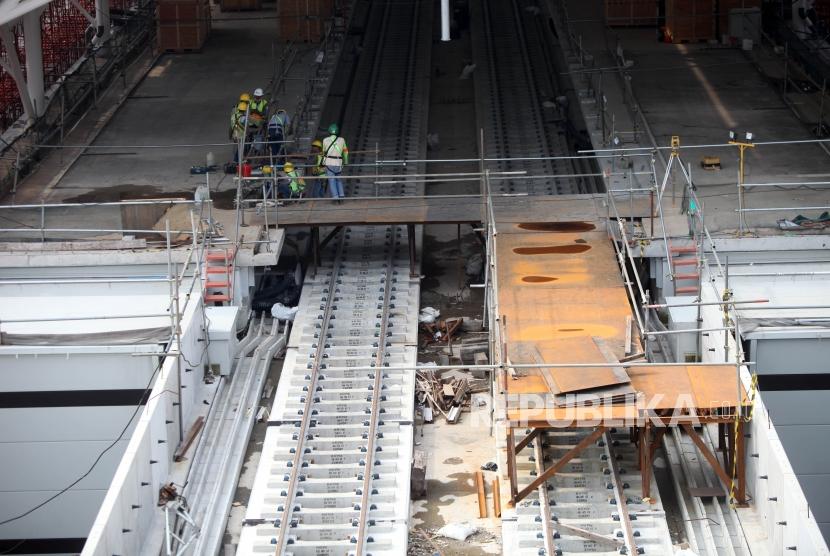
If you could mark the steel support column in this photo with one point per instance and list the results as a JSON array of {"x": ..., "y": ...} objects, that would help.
[
  {"x": 33, "y": 43},
  {"x": 12, "y": 65},
  {"x": 102, "y": 20}
]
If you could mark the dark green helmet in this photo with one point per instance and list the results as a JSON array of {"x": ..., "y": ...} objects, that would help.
[{"x": 333, "y": 129}]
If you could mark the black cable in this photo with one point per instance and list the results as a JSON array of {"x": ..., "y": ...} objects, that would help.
[{"x": 98, "y": 459}]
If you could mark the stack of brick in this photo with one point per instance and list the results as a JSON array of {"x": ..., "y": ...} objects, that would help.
[
  {"x": 183, "y": 25},
  {"x": 303, "y": 20},
  {"x": 631, "y": 13},
  {"x": 690, "y": 20}
]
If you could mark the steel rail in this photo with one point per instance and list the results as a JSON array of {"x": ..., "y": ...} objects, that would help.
[
  {"x": 544, "y": 501},
  {"x": 619, "y": 495},
  {"x": 374, "y": 416},
  {"x": 283, "y": 523}
]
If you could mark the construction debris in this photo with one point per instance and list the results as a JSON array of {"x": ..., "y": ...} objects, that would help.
[
  {"x": 710, "y": 163},
  {"x": 438, "y": 331}
]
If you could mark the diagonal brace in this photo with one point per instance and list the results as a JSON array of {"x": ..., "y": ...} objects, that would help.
[{"x": 556, "y": 467}]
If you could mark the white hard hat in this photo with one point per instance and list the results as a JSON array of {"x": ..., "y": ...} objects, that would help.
[{"x": 258, "y": 92}]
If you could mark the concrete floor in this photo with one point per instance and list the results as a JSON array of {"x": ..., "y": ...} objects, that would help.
[
  {"x": 699, "y": 92},
  {"x": 185, "y": 99}
]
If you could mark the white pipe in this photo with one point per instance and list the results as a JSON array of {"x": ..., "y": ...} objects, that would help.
[{"x": 445, "y": 20}]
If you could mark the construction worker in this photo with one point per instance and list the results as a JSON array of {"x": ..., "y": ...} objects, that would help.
[
  {"x": 277, "y": 127},
  {"x": 335, "y": 156},
  {"x": 259, "y": 108},
  {"x": 315, "y": 163},
  {"x": 296, "y": 184},
  {"x": 237, "y": 129}
]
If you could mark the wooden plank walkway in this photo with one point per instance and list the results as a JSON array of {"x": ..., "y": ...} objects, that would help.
[{"x": 444, "y": 210}]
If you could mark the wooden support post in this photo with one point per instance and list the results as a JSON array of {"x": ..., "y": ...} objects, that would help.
[
  {"x": 644, "y": 448},
  {"x": 707, "y": 453},
  {"x": 410, "y": 233},
  {"x": 482, "y": 497},
  {"x": 315, "y": 246},
  {"x": 556, "y": 467},
  {"x": 496, "y": 498},
  {"x": 511, "y": 463},
  {"x": 730, "y": 445},
  {"x": 740, "y": 467}
]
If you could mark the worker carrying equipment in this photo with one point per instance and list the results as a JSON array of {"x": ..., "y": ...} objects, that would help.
[
  {"x": 277, "y": 131},
  {"x": 335, "y": 155}
]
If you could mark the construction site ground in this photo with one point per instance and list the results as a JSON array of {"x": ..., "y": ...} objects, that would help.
[{"x": 699, "y": 92}]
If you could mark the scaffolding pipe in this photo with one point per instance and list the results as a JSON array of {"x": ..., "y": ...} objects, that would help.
[{"x": 698, "y": 304}]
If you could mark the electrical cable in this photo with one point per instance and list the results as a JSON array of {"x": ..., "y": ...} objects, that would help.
[{"x": 100, "y": 455}]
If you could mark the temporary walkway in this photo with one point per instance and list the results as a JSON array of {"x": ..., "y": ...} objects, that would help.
[
  {"x": 443, "y": 209},
  {"x": 578, "y": 393}
]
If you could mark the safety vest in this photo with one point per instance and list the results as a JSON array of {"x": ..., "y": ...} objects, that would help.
[
  {"x": 258, "y": 106},
  {"x": 335, "y": 152},
  {"x": 297, "y": 183}
]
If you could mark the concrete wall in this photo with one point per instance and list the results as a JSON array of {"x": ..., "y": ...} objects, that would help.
[
  {"x": 804, "y": 430},
  {"x": 791, "y": 355},
  {"x": 120, "y": 527},
  {"x": 789, "y": 519},
  {"x": 45, "y": 448}
]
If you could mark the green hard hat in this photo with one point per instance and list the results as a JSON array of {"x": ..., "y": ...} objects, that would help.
[{"x": 333, "y": 129}]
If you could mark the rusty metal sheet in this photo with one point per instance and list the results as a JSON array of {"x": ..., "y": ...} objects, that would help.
[
  {"x": 694, "y": 387},
  {"x": 533, "y": 384}
]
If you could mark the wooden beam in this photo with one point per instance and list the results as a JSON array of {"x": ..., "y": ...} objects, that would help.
[
  {"x": 189, "y": 438},
  {"x": 740, "y": 467},
  {"x": 496, "y": 498},
  {"x": 707, "y": 453},
  {"x": 527, "y": 440},
  {"x": 410, "y": 232},
  {"x": 591, "y": 536},
  {"x": 511, "y": 463},
  {"x": 330, "y": 237},
  {"x": 556, "y": 467},
  {"x": 482, "y": 497}
]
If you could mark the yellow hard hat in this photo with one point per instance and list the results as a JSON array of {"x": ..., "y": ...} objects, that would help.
[
  {"x": 289, "y": 166},
  {"x": 317, "y": 143},
  {"x": 266, "y": 170},
  {"x": 242, "y": 106},
  {"x": 245, "y": 97}
]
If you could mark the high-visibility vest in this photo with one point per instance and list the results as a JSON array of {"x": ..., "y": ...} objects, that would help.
[
  {"x": 335, "y": 152},
  {"x": 297, "y": 184},
  {"x": 258, "y": 106}
]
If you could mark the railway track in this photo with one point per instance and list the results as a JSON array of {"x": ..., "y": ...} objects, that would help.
[
  {"x": 516, "y": 100},
  {"x": 333, "y": 478},
  {"x": 591, "y": 507},
  {"x": 386, "y": 118}
]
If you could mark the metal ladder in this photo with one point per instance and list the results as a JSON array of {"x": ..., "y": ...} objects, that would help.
[{"x": 219, "y": 267}]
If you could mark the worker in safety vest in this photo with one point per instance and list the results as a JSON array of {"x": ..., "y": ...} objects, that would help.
[
  {"x": 293, "y": 185},
  {"x": 237, "y": 129},
  {"x": 277, "y": 129},
  {"x": 259, "y": 108},
  {"x": 335, "y": 156},
  {"x": 315, "y": 168}
]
